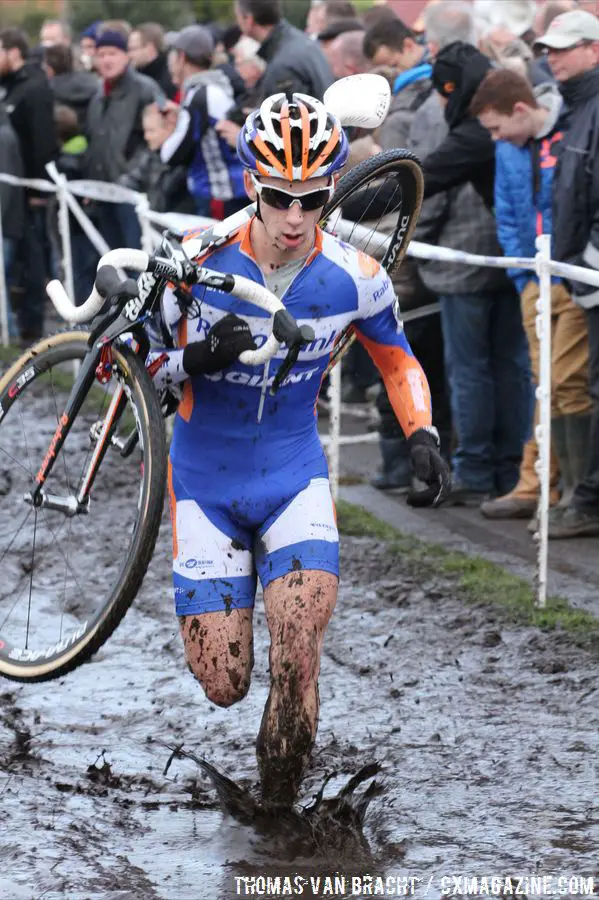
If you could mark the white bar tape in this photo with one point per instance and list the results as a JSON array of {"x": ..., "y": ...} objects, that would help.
[
  {"x": 256, "y": 294},
  {"x": 262, "y": 355},
  {"x": 126, "y": 258},
  {"x": 66, "y": 309},
  {"x": 121, "y": 258}
]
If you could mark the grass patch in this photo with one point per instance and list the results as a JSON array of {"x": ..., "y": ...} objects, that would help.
[
  {"x": 356, "y": 521},
  {"x": 477, "y": 579}
]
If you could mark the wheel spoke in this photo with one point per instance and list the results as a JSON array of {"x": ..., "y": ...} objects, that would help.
[
  {"x": 59, "y": 576},
  {"x": 31, "y": 579}
]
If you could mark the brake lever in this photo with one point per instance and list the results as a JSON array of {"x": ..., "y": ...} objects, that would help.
[{"x": 303, "y": 335}]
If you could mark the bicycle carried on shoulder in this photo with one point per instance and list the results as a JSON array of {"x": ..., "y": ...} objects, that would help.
[{"x": 82, "y": 482}]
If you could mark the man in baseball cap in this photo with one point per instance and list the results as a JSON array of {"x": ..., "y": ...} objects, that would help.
[
  {"x": 196, "y": 43},
  {"x": 214, "y": 172},
  {"x": 570, "y": 29},
  {"x": 572, "y": 47}
]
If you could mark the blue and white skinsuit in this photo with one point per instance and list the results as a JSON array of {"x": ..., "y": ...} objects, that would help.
[{"x": 248, "y": 477}]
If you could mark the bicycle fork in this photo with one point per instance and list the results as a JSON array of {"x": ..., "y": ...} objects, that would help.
[{"x": 73, "y": 505}]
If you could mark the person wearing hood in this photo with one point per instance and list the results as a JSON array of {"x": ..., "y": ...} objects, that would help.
[
  {"x": 572, "y": 45},
  {"x": 528, "y": 128},
  {"x": 70, "y": 88},
  {"x": 486, "y": 350},
  {"x": 467, "y": 153},
  {"x": 214, "y": 172}
]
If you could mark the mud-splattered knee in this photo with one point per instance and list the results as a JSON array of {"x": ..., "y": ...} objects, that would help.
[
  {"x": 228, "y": 689},
  {"x": 219, "y": 657}
]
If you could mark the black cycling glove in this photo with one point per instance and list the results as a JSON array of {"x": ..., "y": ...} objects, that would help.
[
  {"x": 229, "y": 337},
  {"x": 428, "y": 466}
]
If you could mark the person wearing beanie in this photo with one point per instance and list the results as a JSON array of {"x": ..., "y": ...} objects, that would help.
[
  {"x": 87, "y": 45},
  {"x": 115, "y": 131}
]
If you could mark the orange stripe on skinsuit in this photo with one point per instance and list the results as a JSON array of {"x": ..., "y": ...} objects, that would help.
[
  {"x": 172, "y": 501},
  {"x": 406, "y": 384},
  {"x": 186, "y": 405}
]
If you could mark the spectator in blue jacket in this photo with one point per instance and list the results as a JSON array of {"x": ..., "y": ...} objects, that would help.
[{"x": 527, "y": 126}]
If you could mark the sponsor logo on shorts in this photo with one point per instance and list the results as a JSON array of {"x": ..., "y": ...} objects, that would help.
[{"x": 197, "y": 563}]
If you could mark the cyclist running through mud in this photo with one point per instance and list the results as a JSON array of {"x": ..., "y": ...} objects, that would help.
[{"x": 248, "y": 479}]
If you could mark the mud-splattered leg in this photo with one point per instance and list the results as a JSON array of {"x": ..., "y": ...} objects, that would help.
[
  {"x": 219, "y": 652},
  {"x": 298, "y": 608}
]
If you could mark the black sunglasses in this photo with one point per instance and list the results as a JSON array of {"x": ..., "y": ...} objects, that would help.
[{"x": 281, "y": 199}]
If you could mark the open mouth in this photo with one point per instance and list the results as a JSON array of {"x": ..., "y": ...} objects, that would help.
[{"x": 292, "y": 238}]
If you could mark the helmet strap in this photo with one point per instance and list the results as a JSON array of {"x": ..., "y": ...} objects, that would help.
[{"x": 258, "y": 213}]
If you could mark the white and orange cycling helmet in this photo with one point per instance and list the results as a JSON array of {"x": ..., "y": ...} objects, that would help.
[{"x": 295, "y": 140}]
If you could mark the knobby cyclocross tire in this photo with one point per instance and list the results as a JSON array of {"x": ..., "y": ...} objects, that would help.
[
  {"x": 404, "y": 179},
  {"x": 38, "y": 361}
]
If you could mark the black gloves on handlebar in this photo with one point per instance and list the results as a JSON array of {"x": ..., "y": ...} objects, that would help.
[
  {"x": 428, "y": 466},
  {"x": 226, "y": 340}
]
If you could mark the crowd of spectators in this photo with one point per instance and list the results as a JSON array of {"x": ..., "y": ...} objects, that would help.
[{"x": 499, "y": 100}]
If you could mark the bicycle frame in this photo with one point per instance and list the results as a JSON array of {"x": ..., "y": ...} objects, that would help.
[{"x": 72, "y": 505}]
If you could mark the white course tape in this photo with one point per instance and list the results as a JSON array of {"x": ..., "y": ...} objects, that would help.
[
  {"x": 104, "y": 191},
  {"x": 36, "y": 184}
]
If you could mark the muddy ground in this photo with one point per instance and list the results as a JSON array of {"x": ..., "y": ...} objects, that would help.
[{"x": 486, "y": 733}]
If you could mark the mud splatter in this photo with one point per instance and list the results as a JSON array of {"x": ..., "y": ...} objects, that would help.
[{"x": 403, "y": 681}]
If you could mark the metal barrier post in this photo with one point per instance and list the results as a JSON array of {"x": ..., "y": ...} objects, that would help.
[
  {"x": 334, "y": 428},
  {"x": 543, "y": 393},
  {"x": 65, "y": 237}
]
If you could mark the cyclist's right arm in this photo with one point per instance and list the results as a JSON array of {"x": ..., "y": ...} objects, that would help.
[{"x": 165, "y": 359}]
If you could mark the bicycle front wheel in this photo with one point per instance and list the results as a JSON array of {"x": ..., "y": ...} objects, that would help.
[{"x": 68, "y": 577}]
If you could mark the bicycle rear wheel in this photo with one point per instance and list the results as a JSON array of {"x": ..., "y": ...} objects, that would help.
[
  {"x": 68, "y": 579},
  {"x": 375, "y": 207}
]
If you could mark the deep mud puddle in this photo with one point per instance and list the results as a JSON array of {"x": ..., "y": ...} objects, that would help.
[{"x": 486, "y": 735}]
